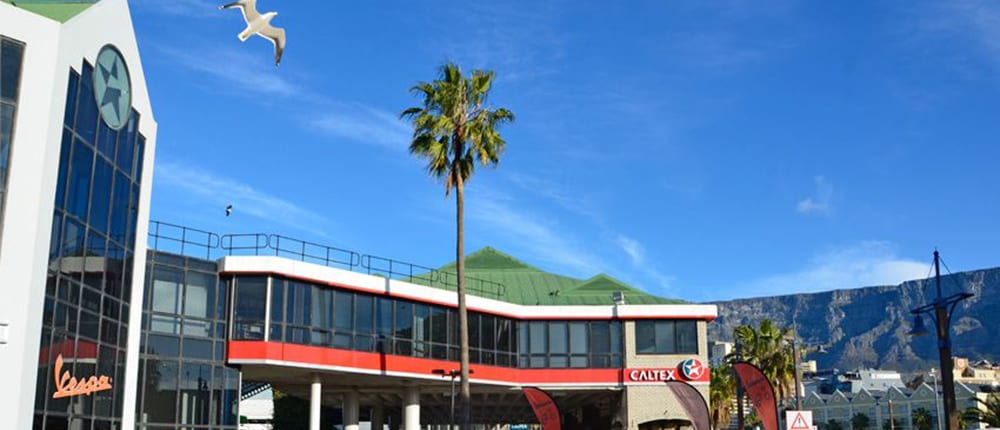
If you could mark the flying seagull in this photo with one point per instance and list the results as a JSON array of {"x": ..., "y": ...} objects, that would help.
[
  {"x": 229, "y": 210},
  {"x": 260, "y": 25}
]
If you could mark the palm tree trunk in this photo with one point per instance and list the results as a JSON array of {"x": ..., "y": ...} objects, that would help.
[{"x": 463, "y": 315}]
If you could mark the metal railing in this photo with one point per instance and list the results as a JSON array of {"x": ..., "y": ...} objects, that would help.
[
  {"x": 203, "y": 244},
  {"x": 182, "y": 240}
]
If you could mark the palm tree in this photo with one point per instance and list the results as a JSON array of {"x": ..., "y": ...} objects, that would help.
[
  {"x": 988, "y": 414},
  {"x": 453, "y": 130},
  {"x": 894, "y": 424},
  {"x": 722, "y": 391},
  {"x": 767, "y": 348},
  {"x": 922, "y": 419}
]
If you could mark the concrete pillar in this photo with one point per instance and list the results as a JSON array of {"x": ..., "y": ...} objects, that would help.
[
  {"x": 314, "y": 403},
  {"x": 411, "y": 408},
  {"x": 351, "y": 412},
  {"x": 378, "y": 416}
]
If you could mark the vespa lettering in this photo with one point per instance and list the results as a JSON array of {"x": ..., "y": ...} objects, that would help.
[{"x": 68, "y": 386}]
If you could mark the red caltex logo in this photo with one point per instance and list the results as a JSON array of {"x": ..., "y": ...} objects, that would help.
[{"x": 692, "y": 369}]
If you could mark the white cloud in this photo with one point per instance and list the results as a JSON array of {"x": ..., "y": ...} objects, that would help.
[
  {"x": 251, "y": 73},
  {"x": 364, "y": 124},
  {"x": 820, "y": 201},
  {"x": 632, "y": 248},
  {"x": 219, "y": 191},
  {"x": 867, "y": 263},
  {"x": 537, "y": 239}
]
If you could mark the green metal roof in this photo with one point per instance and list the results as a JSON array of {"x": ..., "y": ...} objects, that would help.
[
  {"x": 61, "y": 11},
  {"x": 496, "y": 275}
]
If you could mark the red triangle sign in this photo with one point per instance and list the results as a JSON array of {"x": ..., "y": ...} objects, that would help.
[{"x": 799, "y": 423}]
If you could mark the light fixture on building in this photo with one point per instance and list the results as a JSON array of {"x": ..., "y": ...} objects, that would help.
[{"x": 618, "y": 297}]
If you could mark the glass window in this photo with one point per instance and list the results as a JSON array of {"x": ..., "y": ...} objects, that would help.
[
  {"x": 537, "y": 336},
  {"x": 383, "y": 320},
  {"x": 421, "y": 322},
  {"x": 503, "y": 334},
  {"x": 616, "y": 337},
  {"x": 687, "y": 337},
  {"x": 666, "y": 337},
  {"x": 578, "y": 338},
  {"x": 161, "y": 392},
  {"x": 106, "y": 140},
  {"x": 100, "y": 198},
  {"x": 126, "y": 146},
  {"x": 119, "y": 208},
  {"x": 299, "y": 303},
  {"x": 277, "y": 300},
  {"x": 365, "y": 308},
  {"x": 600, "y": 337},
  {"x": 439, "y": 325},
  {"x": 344, "y": 313},
  {"x": 487, "y": 332},
  {"x": 10, "y": 69},
  {"x": 557, "y": 338},
  {"x": 199, "y": 297},
  {"x": 474, "y": 328},
  {"x": 79, "y": 181},
  {"x": 86, "y": 111},
  {"x": 166, "y": 346},
  {"x": 322, "y": 307},
  {"x": 167, "y": 289},
  {"x": 71, "y": 87},
  {"x": 251, "y": 299},
  {"x": 404, "y": 320}
]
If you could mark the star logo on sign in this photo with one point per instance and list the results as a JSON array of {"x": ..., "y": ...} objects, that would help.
[
  {"x": 692, "y": 368},
  {"x": 111, "y": 88}
]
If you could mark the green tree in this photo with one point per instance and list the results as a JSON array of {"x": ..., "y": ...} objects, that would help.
[
  {"x": 860, "y": 422},
  {"x": 922, "y": 419},
  {"x": 454, "y": 130},
  {"x": 895, "y": 424},
  {"x": 767, "y": 347},
  {"x": 834, "y": 425},
  {"x": 722, "y": 391},
  {"x": 987, "y": 413}
]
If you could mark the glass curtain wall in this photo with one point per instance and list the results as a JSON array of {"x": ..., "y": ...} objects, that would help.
[
  {"x": 309, "y": 314},
  {"x": 11, "y": 54},
  {"x": 89, "y": 285},
  {"x": 183, "y": 380}
]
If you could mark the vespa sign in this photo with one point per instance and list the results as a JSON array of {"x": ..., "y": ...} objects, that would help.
[{"x": 68, "y": 386}]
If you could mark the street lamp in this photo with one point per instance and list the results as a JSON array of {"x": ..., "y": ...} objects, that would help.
[
  {"x": 941, "y": 311},
  {"x": 453, "y": 373}
]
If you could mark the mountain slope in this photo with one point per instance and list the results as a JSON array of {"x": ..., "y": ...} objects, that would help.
[{"x": 867, "y": 327}]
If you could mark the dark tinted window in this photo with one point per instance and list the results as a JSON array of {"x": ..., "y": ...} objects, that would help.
[
  {"x": 666, "y": 337},
  {"x": 10, "y": 69}
]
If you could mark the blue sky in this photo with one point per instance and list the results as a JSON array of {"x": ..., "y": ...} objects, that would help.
[{"x": 700, "y": 151}]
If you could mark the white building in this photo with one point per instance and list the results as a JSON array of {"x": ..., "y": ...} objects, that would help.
[{"x": 77, "y": 131}]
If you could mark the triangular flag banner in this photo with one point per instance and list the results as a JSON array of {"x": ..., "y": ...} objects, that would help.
[
  {"x": 761, "y": 394},
  {"x": 544, "y": 407},
  {"x": 693, "y": 403}
]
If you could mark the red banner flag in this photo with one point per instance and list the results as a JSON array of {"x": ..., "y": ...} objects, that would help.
[
  {"x": 761, "y": 393},
  {"x": 693, "y": 403},
  {"x": 544, "y": 407}
]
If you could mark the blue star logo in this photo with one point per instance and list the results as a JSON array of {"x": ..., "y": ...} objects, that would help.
[{"x": 112, "y": 89}]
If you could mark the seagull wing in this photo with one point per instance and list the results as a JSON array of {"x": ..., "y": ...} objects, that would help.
[
  {"x": 248, "y": 7},
  {"x": 277, "y": 36}
]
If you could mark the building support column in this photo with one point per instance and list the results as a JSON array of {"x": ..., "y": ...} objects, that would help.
[
  {"x": 378, "y": 415},
  {"x": 351, "y": 410},
  {"x": 316, "y": 391},
  {"x": 411, "y": 408}
]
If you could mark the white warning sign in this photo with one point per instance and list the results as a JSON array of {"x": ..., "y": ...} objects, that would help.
[{"x": 798, "y": 420}]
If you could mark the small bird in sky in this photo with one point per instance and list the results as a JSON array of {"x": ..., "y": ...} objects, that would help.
[
  {"x": 260, "y": 24},
  {"x": 229, "y": 210}
]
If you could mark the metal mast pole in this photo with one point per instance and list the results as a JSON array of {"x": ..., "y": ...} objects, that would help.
[{"x": 943, "y": 320}]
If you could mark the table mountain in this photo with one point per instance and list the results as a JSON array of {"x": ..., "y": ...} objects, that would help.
[{"x": 867, "y": 327}]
